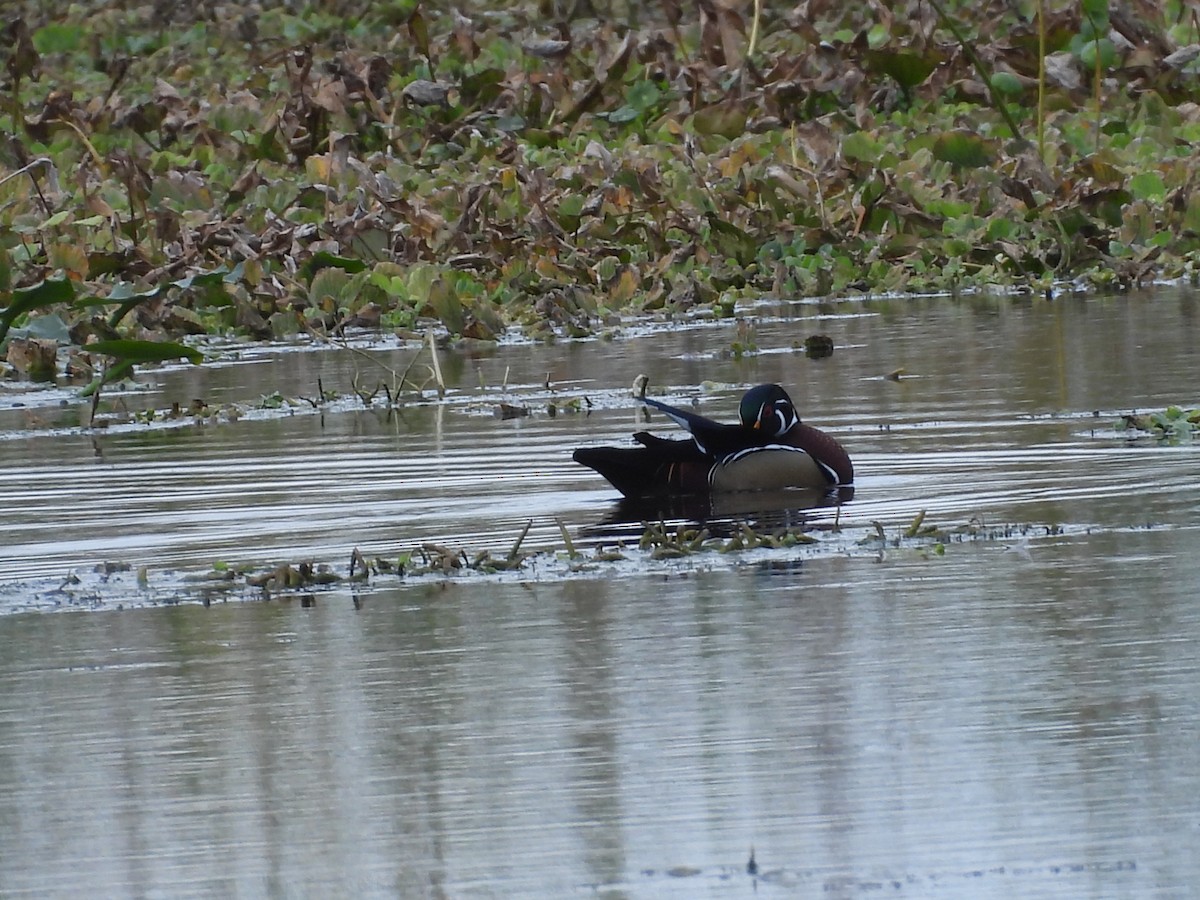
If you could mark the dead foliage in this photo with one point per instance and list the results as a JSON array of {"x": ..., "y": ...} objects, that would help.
[{"x": 555, "y": 163}]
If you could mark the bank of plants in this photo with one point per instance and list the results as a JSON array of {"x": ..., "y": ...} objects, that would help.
[{"x": 173, "y": 171}]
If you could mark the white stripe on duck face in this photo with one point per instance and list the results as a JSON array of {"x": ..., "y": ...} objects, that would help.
[
  {"x": 784, "y": 415},
  {"x": 787, "y": 418}
]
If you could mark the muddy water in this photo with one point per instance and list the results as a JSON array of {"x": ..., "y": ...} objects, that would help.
[{"x": 1014, "y": 715}]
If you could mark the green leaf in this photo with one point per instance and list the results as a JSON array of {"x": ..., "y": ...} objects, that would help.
[
  {"x": 55, "y": 220},
  {"x": 48, "y": 327},
  {"x": 101, "y": 262},
  {"x": 418, "y": 30},
  {"x": 269, "y": 148},
  {"x": 512, "y": 122},
  {"x": 861, "y": 146},
  {"x": 727, "y": 119},
  {"x": 209, "y": 286},
  {"x": 1104, "y": 47},
  {"x": 271, "y": 401},
  {"x": 124, "y": 294},
  {"x": 731, "y": 241},
  {"x": 606, "y": 269},
  {"x": 112, "y": 373},
  {"x": 325, "y": 260},
  {"x": 571, "y": 205},
  {"x": 1000, "y": 229},
  {"x": 123, "y": 290},
  {"x": 202, "y": 279},
  {"x": 132, "y": 351},
  {"x": 1101, "y": 168},
  {"x": 44, "y": 293},
  {"x": 481, "y": 88},
  {"x": 328, "y": 284},
  {"x": 623, "y": 114},
  {"x": 1191, "y": 215},
  {"x": 643, "y": 95},
  {"x": 1095, "y": 11},
  {"x": 907, "y": 68},
  {"x": 420, "y": 281},
  {"x": 961, "y": 149},
  {"x": 56, "y": 38},
  {"x": 1007, "y": 83},
  {"x": 446, "y": 305},
  {"x": 1147, "y": 186}
]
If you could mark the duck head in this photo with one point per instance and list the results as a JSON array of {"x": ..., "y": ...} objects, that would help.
[{"x": 768, "y": 408}]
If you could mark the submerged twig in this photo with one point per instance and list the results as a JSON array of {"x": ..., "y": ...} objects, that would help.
[
  {"x": 516, "y": 547},
  {"x": 356, "y": 559},
  {"x": 915, "y": 527}
]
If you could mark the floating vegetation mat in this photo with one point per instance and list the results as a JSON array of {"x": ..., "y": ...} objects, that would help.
[{"x": 661, "y": 550}]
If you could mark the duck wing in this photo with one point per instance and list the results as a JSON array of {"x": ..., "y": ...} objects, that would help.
[
  {"x": 659, "y": 467},
  {"x": 671, "y": 449},
  {"x": 713, "y": 438}
]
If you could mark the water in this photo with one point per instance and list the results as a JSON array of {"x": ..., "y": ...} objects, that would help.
[{"x": 1011, "y": 710}]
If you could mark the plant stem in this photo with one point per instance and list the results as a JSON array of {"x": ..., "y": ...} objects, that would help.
[
  {"x": 1041, "y": 107},
  {"x": 1096, "y": 88},
  {"x": 437, "y": 366},
  {"x": 750, "y": 48},
  {"x": 969, "y": 52}
]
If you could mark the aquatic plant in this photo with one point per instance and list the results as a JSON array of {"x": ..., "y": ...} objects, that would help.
[
  {"x": 662, "y": 549},
  {"x": 1172, "y": 423},
  {"x": 478, "y": 174}
]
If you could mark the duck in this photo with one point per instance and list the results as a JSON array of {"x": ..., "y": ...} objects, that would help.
[{"x": 769, "y": 449}]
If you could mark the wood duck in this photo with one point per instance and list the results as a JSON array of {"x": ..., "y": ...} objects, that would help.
[{"x": 770, "y": 449}]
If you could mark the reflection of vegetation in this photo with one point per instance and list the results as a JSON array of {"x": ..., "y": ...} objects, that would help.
[
  {"x": 1172, "y": 423},
  {"x": 665, "y": 543},
  {"x": 303, "y": 168}
]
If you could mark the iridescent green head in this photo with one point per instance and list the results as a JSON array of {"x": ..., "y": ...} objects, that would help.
[{"x": 769, "y": 409}]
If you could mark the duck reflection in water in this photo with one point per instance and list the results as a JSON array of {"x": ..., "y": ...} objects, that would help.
[{"x": 766, "y": 512}]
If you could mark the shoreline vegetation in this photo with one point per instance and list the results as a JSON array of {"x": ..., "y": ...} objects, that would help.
[{"x": 169, "y": 171}]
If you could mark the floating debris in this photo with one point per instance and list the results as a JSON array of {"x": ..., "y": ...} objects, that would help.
[
  {"x": 1172, "y": 423},
  {"x": 661, "y": 547},
  {"x": 509, "y": 411},
  {"x": 818, "y": 346}
]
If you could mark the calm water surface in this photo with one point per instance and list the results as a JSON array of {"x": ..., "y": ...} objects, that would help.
[{"x": 1016, "y": 716}]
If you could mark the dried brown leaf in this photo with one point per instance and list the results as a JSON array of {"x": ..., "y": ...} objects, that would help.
[
  {"x": 23, "y": 58},
  {"x": 1182, "y": 56},
  {"x": 464, "y": 36},
  {"x": 1062, "y": 70},
  {"x": 330, "y": 96}
]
